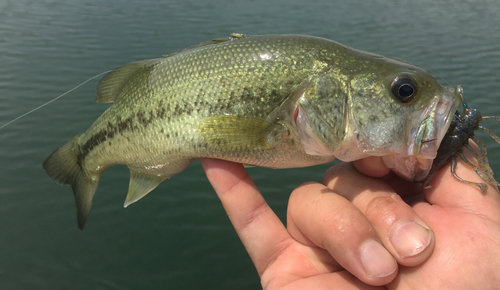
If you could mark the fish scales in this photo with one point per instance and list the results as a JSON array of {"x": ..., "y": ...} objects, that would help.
[
  {"x": 275, "y": 101},
  {"x": 188, "y": 87}
]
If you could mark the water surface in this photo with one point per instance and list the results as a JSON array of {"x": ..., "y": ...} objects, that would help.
[{"x": 179, "y": 237}]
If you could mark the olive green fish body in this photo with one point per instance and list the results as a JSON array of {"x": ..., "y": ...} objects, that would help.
[{"x": 275, "y": 101}]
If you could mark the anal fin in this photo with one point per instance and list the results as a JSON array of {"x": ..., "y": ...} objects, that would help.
[{"x": 140, "y": 185}]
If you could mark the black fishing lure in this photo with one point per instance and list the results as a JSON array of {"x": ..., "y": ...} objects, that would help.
[{"x": 457, "y": 138}]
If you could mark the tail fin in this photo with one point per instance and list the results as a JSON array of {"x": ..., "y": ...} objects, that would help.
[{"x": 63, "y": 167}]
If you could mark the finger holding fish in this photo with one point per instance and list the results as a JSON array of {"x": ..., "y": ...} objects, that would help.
[
  {"x": 320, "y": 218},
  {"x": 398, "y": 227}
]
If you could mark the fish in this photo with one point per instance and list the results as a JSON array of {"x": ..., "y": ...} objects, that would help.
[
  {"x": 275, "y": 101},
  {"x": 461, "y": 129}
]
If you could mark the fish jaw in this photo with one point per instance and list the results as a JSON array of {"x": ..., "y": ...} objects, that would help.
[{"x": 425, "y": 130}]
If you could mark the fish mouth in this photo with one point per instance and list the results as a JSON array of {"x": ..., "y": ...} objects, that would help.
[{"x": 425, "y": 130}]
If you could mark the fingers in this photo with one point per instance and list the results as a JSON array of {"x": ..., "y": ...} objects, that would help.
[
  {"x": 362, "y": 223},
  {"x": 375, "y": 167},
  {"x": 260, "y": 230},
  {"x": 372, "y": 166},
  {"x": 403, "y": 233},
  {"x": 319, "y": 217}
]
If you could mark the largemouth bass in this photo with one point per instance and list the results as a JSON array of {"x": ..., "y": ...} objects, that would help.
[{"x": 276, "y": 101}]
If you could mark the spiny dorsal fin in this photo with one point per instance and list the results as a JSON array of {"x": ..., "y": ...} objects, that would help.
[
  {"x": 140, "y": 185},
  {"x": 236, "y": 133},
  {"x": 113, "y": 83},
  {"x": 234, "y": 36}
]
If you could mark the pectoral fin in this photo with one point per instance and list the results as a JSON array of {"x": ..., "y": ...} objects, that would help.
[
  {"x": 236, "y": 133},
  {"x": 140, "y": 185}
]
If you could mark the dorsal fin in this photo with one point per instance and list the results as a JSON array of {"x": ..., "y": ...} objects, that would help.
[
  {"x": 113, "y": 83},
  {"x": 234, "y": 36}
]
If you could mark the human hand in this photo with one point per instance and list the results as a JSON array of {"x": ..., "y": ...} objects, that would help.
[{"x": 335, "y": 231}]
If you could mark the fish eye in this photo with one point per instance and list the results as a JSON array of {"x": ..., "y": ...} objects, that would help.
[{"x": 404, "y": 89}]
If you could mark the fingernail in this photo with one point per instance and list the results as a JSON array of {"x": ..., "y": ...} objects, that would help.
[
  {"x": 376, "y": 260},
  {"x": 410, "y": 239}
]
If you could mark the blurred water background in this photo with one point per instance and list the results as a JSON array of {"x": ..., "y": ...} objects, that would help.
[{"x": 179, "y": 237}]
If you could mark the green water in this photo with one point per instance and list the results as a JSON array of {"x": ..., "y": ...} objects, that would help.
[{"x": 178, "y": 237}]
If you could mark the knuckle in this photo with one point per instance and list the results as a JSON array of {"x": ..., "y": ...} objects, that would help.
[
  {"x": 346, "y": 221},
  {"x": 383, "y": 208}
]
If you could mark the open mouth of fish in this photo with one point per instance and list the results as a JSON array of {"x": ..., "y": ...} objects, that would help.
[{"x": 426, "y": 129}]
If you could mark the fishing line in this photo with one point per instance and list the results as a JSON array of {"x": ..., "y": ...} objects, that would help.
[
  {"x": 440, "y": 77},
  {"x": 53, "y": 100}
]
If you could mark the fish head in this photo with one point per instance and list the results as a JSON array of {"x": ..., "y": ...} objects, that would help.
[
  {"x": 389, "y": 108},
  {"x": 406, "y": 116}
]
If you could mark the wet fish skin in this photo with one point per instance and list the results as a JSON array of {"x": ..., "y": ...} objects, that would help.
[{"x": 237, "y": 99}]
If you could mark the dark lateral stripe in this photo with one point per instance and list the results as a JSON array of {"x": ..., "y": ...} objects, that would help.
[
  {"x": 166, "y": 112},
  {"x": 129, "y": 124}
]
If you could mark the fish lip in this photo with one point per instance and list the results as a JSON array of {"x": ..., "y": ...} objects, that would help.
[
  {"x": 427, "y": 128},
  {"x": 430, "y": 125}
]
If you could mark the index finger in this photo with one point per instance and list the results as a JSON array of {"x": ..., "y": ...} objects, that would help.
[{"x": 260, "y": 230}]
